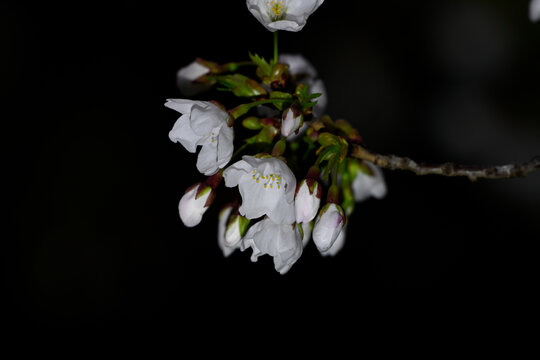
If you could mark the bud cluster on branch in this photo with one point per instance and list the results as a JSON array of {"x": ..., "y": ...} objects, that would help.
[{"x": 294, "y": 173}]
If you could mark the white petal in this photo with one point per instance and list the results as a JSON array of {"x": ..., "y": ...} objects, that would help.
[
  {"x": 235, "y": 172},
  {"x": 222, "y": 223},
  {"x": 365, "y": 185},
  {"x": 286, "y": 25},
  {"x": 280, "y": 241},
  {"x": 282, "y": 213},
  {"x": 327, "y": 227},
  {"x": 182, "y": 133},
  {"x": 207, "y": 159},
  {"x": 183, "y": 106},
  {"x": 534, "y": 10},
  {"x": 206, "y": 116},
  {"x": 188, "y": 74},
  {"x": 191, "y": 209},
  {"x": 225, "y": 146},
  {"x": 306, "y": 204},
  {"x": 338, "y": 244},
  {"x": 259, "y": 10}
]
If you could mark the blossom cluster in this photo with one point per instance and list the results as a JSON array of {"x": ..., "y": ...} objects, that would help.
[{"x": 292, "y": 177}]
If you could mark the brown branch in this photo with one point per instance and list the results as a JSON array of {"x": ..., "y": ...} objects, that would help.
[{"x": 393, "y": 162}]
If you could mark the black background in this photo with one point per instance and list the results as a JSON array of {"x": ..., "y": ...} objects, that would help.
[{"x": 94, "y": 181}]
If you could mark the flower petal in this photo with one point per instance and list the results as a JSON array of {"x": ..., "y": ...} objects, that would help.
[
  {"x": 183, "y": 106},
  {"x": 207, "y": 160},
  {"x": 225, "y": 146},
  {"x": 534, "y": 10},
  {"x": 206, "y": 116},
  {"x": 182, "y": 133},
  {"x": 222, "y": 224},
  {"x": 235, "y": 172}
]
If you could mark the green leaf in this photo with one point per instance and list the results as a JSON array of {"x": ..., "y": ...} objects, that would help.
[{"x": 263, "y": 67}]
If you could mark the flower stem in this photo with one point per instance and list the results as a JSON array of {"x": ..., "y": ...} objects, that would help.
[{"x": 275, "y": 47}]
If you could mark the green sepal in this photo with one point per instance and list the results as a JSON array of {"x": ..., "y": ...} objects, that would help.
[
  {"x": 240, "y": 85},
  {"x": 251, "y": 123}
]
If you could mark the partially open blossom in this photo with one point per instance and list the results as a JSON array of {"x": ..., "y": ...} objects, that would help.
[
  {"x": 194, "y": 204},
  {"x": 328, "y": 226},
  {"x": 306, "y": 73},
  {"x": 187, "y": 76},
  {"x": 281, "y": 241},
  {"x": 205, "y": 124},
  {"x": 307, "y": 200},
  {"x": 222, "y": 226},
  {"x": 338, "y": 244},
  {"x": 289, "y": 15},
  {"x": 291, "y": 120},
  {"x": 534, "y": 10},
  {"x": 368, "y": 181},
  {"x": 267, "y": 187}
]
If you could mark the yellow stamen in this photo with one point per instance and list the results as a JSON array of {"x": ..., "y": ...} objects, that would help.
[{"x": 276, "y": 7}]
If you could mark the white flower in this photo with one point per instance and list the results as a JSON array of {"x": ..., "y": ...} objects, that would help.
[
  {"x": 194, "y": 204},
  {"x": 290, "y": 121},
  {"x": 328, "y": 225},
  {"x": 222, "y": 226},
  {"x": 205, "y": 124},
  {"x": 368, "y": 181},
  {"x": 267, "y": 187},
  {"x": 307, "y": 201},
  {"x": 289, "y": 15},
  {"x": 338, "y": 244},
  {"x": 186, "y": 76},
  {"x": 306, "y": 73},
  {"x": 534, "y": 10},
  {"x": 281, "y": 241}
]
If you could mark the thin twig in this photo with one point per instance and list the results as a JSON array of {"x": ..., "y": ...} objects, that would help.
[{"x": 394, "y": 162}]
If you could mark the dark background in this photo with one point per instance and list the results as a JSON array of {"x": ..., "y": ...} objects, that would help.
[{"x": 94, "y": 182}]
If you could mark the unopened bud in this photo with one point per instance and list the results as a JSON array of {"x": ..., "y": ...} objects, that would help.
[
  {"x": 328, "y": 226},
  {"x": 291, "y": 120},
  {"x": 194, "y": 204},
  {"x": 307, "y": 200}
]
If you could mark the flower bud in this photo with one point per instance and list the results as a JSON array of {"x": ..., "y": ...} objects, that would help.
[
  {"x": 328, "y": 226},
  {"x": 291, "y": 120},
  {"x": 338, "y": 244},
  {"x": 236, "y": 229},
  {"x": 307, "y": 200},
  {"x": 187, "y": 76},
  {"x": 194, "y": 204},
  {"x": 368, "y": 181}
]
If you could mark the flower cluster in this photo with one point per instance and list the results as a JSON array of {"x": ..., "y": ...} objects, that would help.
[{"x": 285, "y": 166}]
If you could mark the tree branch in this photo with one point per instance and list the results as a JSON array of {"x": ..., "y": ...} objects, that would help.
[{"x": 393, "y": 162}]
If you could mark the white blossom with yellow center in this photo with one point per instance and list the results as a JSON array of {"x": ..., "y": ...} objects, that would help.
[
  {"x": 288, "y": 15},
  {"x": 267, "y": 187}
]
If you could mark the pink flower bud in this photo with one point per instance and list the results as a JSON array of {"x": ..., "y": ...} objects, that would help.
[
  {"x": 194, "y": 204},
  {"x": 307, "y": 200},
  {"x": 328, "y": 226}
]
